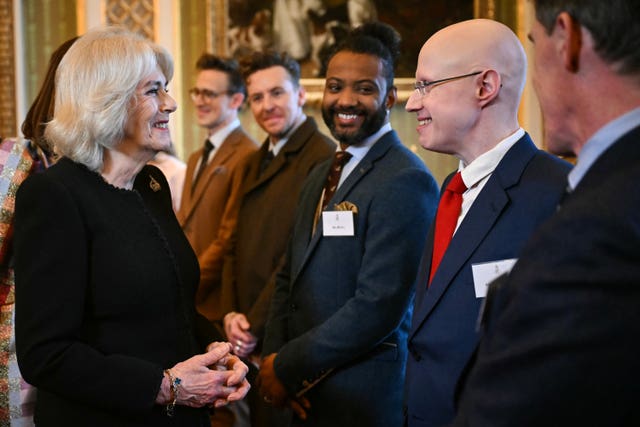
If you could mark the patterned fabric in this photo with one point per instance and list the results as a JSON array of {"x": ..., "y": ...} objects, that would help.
[
  {"x": 17, "y": 398},
  {"x": 341, "y": 158},
  {"x": 15, "y": 165}
]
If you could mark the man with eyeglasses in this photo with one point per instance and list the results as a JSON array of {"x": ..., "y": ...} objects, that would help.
[
  {"x": 215, "y": 174},
  {"x": 292, "y": 149},
  {"x": 470, "y": 80}
]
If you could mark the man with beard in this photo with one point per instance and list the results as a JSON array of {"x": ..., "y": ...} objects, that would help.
[{"x": 335, "y": 343}]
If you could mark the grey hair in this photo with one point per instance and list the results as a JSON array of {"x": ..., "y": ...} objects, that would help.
[
  {"x": 613, "y": 24},
  {"x": 96, "y": 85}
]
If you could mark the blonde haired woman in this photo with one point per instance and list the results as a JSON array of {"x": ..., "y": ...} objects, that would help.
[{"x": 106, "y": 327}]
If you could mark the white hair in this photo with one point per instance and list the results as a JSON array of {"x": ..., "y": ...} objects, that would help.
[{"x": 96, "y": 83}]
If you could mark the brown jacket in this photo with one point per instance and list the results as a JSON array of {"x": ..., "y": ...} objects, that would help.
[
  {"x": 266, "y": 219},
  {"x": 208, "y": 212}
]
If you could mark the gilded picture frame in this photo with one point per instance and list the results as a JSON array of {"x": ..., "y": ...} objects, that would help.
[{"x": 415, "y": 20}]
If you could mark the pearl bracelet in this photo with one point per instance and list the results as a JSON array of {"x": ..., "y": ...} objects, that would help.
[{"x": 174, "y": 384}]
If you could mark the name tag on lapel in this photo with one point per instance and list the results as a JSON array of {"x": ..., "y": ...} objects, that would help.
[
  {"x": 337, "y": 223},
  {"x": 486, "y": 272}
]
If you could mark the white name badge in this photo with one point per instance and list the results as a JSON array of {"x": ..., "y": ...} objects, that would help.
[
  {"x": 486, "y": 272},
  {"x": 337, "y": 223}
]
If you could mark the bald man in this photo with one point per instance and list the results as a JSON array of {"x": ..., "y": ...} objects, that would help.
[{"x": 470, "y": 78}]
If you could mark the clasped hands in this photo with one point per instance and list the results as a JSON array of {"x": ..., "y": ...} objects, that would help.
[
  {"x": 214, "y": 378},
  {"x": 237, "y": 327},
  {"x": 275, "y": 393}
]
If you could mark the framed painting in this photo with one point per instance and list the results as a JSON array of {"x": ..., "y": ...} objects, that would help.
[{"x": 306, "y": 29}]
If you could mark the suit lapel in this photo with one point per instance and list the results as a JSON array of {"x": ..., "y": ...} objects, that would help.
[
  {"x": 425, "y": 266},
  {"x": 295, "y": 143},
  {"x": 274, "y": 167},
  {"x": 215, "y": 166},
  {"x": 477, "y": 224},
  {"x": 253, "y": 168},
  {"x": 304, "y": 241},
  {"x": 622, "y": 154},
  {"x": 364, "y": 167},
  {"x": 366, "y": 164}
]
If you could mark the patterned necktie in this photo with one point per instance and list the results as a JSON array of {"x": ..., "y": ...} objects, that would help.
[
  {"x": 446, "y": 220},
  {"x": 206, "y": 150},
  {"x": 341, "y": 158}
]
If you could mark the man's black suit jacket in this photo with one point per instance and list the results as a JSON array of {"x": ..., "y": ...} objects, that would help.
[{"x": 561, "y": 343}]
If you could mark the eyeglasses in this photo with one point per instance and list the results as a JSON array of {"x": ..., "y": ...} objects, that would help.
[
  {"x": 207, "y": 94},
  {"x": 423, "y": 87}
]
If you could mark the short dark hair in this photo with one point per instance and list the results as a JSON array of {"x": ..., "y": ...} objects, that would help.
[
  {"x": 257, "y": 61},
  {"x": 373, "y": 38},
  {"x": 229, "y": 66},
  {"x": 613, "y": 24}
]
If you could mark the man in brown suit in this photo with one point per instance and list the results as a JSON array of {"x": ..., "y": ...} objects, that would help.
[
  {"x": 270, "y": 197},
  {"x": 212, "y": 185}
]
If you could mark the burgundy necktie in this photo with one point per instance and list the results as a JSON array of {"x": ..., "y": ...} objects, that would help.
[
  {"x": 341, "y": 158},
  {"x": 446, "y": 220}
]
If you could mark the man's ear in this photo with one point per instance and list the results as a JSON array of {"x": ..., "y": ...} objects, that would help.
[
  {"x": 236, "y": 100},
  {"x": 570, "y": 33},
  {"x": 489, "y": 84},
  {"x": 392, "y": 97},
  {"x": 302, "y": 95}
]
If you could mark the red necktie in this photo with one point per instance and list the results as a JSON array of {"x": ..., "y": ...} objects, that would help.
[
  {"x": 341, "y": 158},
  {"x": 446, "y": 220}
]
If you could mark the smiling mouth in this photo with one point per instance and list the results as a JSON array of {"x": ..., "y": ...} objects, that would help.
[
  {"x": 424, "y": 121},
  {"x": 164, "y": 125},
  {"x": 343, "y": 116}
]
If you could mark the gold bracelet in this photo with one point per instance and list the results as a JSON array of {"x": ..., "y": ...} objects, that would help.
[{"x": 174, "y": 385}]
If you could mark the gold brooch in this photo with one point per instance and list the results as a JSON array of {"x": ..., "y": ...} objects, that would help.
[{"x": 154, "y": 185}]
